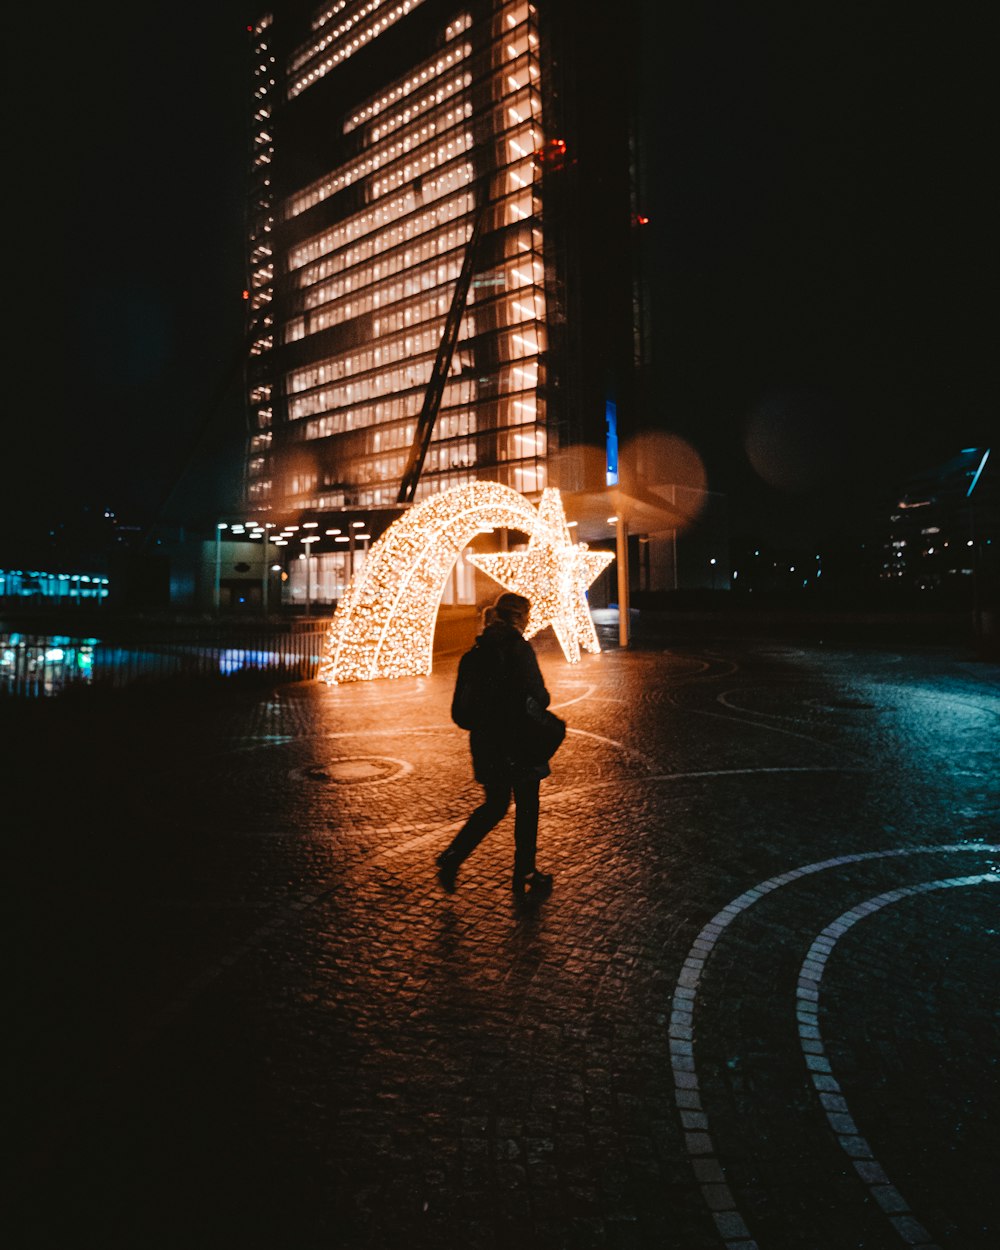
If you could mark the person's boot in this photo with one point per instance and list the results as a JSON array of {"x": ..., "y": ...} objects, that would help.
[{"x": 533, "y": 882}]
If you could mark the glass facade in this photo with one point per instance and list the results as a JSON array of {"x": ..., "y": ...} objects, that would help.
[{"x": 352, "y": 273}]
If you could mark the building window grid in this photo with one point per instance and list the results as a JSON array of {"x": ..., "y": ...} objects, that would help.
[
  {"x": 363, "y": 166},
  {"x": 527, "y": 288},
  {"x": 337, "y": 252},
  {"x": 374, "y": 106},
  {"x": 521, "y": 69},
  {"x": 512, "y": 408},
  {"x": 448, "y": 454},
  {"x": 428, "y": 247},
  {"x": 316, "y": 392},
  {"x": 509, "y": 18},
  {"x": 378, "y": 246},
  {"x": 434, "y": 246},
  {"x": 515, "y": 449},
  {"x": 408, "y": 295},
  {"x": 338, "y": 46},
  {"x": 340, "y": 35},
  {"x": 519, "y": 134},
  {"x": 458, "y": 175},
  {"x": 399, "y": 163},
  {"x": 319, "y": 56},
  {"x": 319, "y": 20},
  {"x": 427, "y": 109},
  {"x": 512, "y": 448},
  {"x": 391, "y": 424},
  {"x": 526, "y": 478},
  {"x": 261, "y": 266}
]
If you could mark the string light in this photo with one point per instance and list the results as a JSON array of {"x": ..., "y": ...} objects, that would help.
[
  {"x": 384, "y": 626},
  {"x": 554, "y": 573}
]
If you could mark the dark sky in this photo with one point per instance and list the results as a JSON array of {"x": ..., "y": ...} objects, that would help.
[
  {"x": 134, "y": 220},
  {"x": 825, "y": 251},
  {"x": 822, "y": 257}
]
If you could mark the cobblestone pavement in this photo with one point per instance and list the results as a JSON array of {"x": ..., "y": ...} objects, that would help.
[{"x": 759, "y": 1008}]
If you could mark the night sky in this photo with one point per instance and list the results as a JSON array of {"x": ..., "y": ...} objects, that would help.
[{"x": 823, "y": 262}]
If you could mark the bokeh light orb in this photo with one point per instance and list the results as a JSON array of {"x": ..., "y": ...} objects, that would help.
[
  {"x": 795, "y": 441},
  {"x": 662, "y": 460}
]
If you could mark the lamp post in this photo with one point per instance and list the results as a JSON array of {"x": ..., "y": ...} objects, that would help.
[
  {"x": 216, "y": 598},
  {"x": 354, "y": 536},
  {"x": 265, "y": 570},
  {"x": 308, "y": 540},
  {"x": 977, "y": 616},
  {"x": 342, "y": 538}
]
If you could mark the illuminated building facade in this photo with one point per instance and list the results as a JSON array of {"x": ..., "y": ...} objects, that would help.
[{"x": 442, "y": 281}]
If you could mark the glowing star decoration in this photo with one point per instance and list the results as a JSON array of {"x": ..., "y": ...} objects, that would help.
[
  {"x": 554, "y": 573},
  {"x": 384, "y": 625}
]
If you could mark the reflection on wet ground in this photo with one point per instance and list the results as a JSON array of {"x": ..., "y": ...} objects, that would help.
[{"x": 758, "y": 1009}]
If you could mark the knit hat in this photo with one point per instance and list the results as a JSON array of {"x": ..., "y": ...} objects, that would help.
[{"x": 510, "y": 604}]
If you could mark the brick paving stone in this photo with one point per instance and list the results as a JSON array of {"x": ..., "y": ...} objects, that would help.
[{"x": 247, "y": 1016}]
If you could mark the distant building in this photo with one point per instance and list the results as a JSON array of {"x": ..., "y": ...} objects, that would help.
[
  {"x": 445, "y": 271},
  {"x": 21, "y": 587},
  {"x": 944, "y": 530}
]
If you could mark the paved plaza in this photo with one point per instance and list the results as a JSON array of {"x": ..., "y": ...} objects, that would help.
[{"x": 759, "y": 1009}]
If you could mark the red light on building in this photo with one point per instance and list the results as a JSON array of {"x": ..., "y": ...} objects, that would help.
[
  {"x": 246, "y": 294},
  {"x": 551, "y": 155},
  {"x": 638, "y": 219}
]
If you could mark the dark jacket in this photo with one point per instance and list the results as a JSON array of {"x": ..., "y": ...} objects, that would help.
[{"x": 515, "y": 677}]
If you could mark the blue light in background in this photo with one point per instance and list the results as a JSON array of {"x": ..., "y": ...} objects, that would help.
[
  {"x": 978, "y": 471},
  {"x": 611, "y": 421}
]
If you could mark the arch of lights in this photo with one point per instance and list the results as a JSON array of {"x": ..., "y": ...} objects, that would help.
[{"x": 384, "y": 626}]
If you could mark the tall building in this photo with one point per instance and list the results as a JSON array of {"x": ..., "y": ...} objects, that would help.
[{"x": 444, "y": 230}]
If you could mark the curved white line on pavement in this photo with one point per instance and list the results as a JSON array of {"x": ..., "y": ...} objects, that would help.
[
  {"x": 687, "y": 1092},
  {"x": 646, "y": 779},
  {"x": 885, "y": 1194},
  {"x": 749, "y": 772},
  {"x": 437, "y": 829},
  {"x": 775, "y": 729},
  {"x": 579, "y": 698},
  {"x": 613, "y": 742},
  {"x": 724, "y": 699},
  {"x": 425, "y": 839},
  {"x": 374, "y": 731},
  {"x": 698, "y": 666}
]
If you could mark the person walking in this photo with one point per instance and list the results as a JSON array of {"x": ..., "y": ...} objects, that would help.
[{"x": 496, "y": 681}]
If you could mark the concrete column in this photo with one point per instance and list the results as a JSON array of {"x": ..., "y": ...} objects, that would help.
[{"x": 621, "y": 542}]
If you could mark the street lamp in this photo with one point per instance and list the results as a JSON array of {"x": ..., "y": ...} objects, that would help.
[
  {"x": 218, "y": 564},
  {"x": 977, "y": 622},
  {"x": 307, "y": 540}
]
